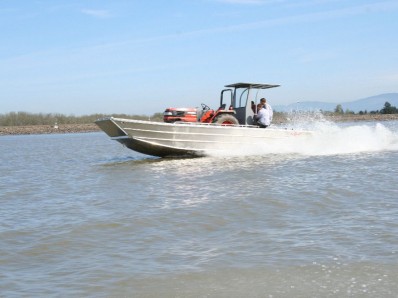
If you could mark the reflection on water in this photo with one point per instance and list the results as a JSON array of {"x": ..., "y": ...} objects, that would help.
[{"x": 83, "y": 216}]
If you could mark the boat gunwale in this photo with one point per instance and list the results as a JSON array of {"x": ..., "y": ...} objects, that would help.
[{"x": 198, "y": 125}]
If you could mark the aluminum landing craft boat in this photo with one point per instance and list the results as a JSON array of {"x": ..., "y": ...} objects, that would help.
[
  {"x": 196, "y": 138},
  {"x": 185, "y": 139}
]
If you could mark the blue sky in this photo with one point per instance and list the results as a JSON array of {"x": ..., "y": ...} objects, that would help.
[{"x": 139, "y": 57}]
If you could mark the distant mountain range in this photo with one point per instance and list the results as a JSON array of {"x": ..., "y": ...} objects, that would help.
[{"x": 372, "y": 103}]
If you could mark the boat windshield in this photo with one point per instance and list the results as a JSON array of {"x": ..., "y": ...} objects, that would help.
[
  {"x": 241, "y": 96},
  {"x": 245, "y": 95}
]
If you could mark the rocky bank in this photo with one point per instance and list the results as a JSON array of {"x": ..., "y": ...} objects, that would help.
[{"x": 47, "y": 129}]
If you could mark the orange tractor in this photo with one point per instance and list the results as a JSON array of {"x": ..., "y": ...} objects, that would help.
[{"x": 204, "y": 115}]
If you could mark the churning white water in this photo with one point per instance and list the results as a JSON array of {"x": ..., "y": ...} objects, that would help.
[{"x": 327, "y": 138}]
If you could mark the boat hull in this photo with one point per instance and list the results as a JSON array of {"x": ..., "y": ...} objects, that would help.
[{"x": 188, "y": 139}]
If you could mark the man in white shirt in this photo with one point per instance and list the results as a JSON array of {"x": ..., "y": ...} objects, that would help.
[
  {"x": 268, "y": 107},
  {"x": 263, "y": 116}
]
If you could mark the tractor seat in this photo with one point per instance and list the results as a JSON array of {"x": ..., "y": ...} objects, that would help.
[{"x": 199, "y": 114}]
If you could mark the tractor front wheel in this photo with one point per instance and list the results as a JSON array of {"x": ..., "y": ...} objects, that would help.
[{"x": 226, "y": 119}]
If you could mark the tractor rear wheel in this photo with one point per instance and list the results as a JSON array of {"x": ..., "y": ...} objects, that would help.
[{"x": 226, "y": 119}]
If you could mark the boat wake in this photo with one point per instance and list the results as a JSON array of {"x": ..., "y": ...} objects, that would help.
[
  {"x": 330, "y": 139},
  {"x": 333, "y": 139}
]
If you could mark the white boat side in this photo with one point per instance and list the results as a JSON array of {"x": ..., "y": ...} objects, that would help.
[{"x": 188, "y": 139}]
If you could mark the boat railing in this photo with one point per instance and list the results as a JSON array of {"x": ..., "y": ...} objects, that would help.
[{"x": 123, "y": 120}]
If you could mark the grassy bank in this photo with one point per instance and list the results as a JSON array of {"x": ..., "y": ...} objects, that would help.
[{"x": 356, "y": 117}]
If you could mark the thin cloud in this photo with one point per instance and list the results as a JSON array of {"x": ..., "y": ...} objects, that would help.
[
  {"x": 102, "y": 14},
  {"x": 300, "y": 18},
  {"x": 294, "y": 19},
  {"x": 310, "y": 17}
]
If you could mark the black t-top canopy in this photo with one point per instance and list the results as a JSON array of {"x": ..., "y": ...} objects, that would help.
[{"x": 252, "y": 85}]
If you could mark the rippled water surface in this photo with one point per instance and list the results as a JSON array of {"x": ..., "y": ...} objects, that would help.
[{"x": 83, "y": 216}]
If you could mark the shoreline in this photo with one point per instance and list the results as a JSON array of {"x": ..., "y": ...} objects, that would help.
[
  {"x": 92, "y": 127},
  {"x": 356, "y": 118},
  {"x": 48, "y": 129}
]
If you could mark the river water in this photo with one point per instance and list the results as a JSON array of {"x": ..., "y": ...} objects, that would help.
[{"x": 83, "y": 216}]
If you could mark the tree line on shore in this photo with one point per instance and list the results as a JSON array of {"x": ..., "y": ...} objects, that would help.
[
  {"x": 387, "y": 109},
  {"x": 25, "y": 118}
]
